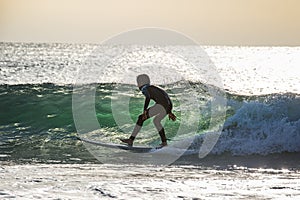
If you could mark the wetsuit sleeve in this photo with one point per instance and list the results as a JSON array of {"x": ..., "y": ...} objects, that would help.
[
  {"x": 147, "y": 101},
  {"x": 147, "y": 95}
]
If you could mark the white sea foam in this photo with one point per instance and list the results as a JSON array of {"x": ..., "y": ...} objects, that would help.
[
  {"x": 259, "y": 128},
  {"x": 88, "y": 181}
]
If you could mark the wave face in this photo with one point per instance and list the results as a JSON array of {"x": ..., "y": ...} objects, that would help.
[{"x": 36, "y": 121}]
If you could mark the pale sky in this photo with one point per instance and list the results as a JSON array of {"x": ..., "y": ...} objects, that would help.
[{"x": 208, "y": 22}]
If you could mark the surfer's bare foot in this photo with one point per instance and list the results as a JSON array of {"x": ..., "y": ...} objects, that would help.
[{"x": 129, "y": 141}]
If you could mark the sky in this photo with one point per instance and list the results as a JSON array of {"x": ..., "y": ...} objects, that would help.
[{"x": 208, "y": 22}]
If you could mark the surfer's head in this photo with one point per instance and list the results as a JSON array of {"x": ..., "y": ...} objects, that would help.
[{"x": 142, "y": 79}]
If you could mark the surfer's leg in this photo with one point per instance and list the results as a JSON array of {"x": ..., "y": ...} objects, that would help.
[
  {"x": 160, "y": 114},
  {"x": 161, "y": 131},
  {"x": 152, "y": 111},
  {"x": 136, "y": 129},
  {"x": 139, "y": 125},
  {"x": 163, "y": 137}
]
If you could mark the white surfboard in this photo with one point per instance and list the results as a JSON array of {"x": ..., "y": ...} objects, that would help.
[{"x": 136, "y": 149}]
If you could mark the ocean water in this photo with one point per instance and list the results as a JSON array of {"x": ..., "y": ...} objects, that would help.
[
  {"x": 261, "y": 116},
  {"x": 237, "y": 132}
]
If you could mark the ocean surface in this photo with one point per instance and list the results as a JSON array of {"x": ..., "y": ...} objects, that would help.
[
  {"x": 237, "y": 132},
  {"x": 261, "y": 116}
]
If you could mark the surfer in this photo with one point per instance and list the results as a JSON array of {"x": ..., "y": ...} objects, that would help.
[{"x": 161, "y": 108}]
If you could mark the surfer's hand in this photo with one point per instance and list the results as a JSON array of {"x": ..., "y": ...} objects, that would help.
[
  {"x": 144, "y": 115},
  {"x": 172, "y": 117}
]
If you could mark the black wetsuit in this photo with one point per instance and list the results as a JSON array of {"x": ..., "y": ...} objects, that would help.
[
  {"x": 160, "y": 110},
  {"x": 158, "y": 95}
]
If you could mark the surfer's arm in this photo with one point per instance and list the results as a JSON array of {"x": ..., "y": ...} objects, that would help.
[
  {"x": 146, "y": 104},
  {"x": 145, "y": 113},
  {"x": 172, "y": 116},
  {"x": 147, "y": 100}
]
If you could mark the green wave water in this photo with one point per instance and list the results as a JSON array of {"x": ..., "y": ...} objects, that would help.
[{"x": 37, "y": 122}]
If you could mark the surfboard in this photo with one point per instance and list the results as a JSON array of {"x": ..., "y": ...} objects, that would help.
[{"x": 136, "y": 149}]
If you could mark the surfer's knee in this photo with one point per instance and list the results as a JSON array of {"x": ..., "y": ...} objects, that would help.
[{"x": 140, "y": 120}]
